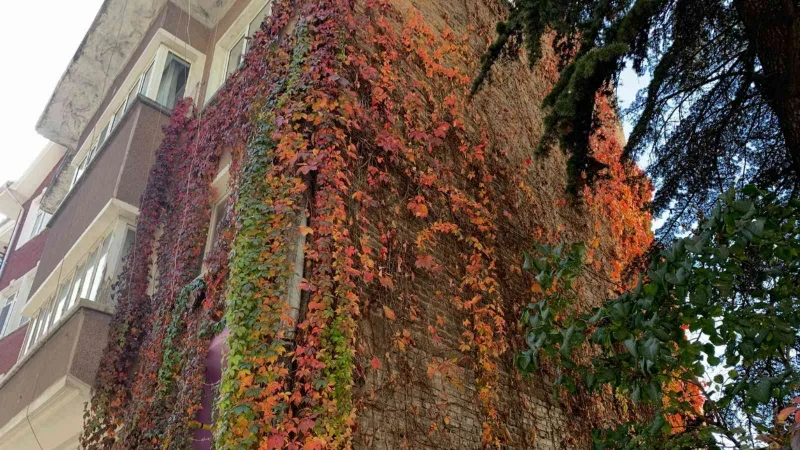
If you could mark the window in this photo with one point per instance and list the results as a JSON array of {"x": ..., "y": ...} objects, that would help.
[
  {"x": 61, "y": 301},
  {"x": 45, "y": 315},
  {"x": 76, "y": 285},
  {"x": 236, "y": 52},
  {"x": 90, "y": 273},
  {"x": 220, "y": 208},
  {"x": 32, "y": 330},
  {"x": 79, "y": 171},
  {"x": 35, "y": 221},
  {"x": 118, "y": 115},
  {"x": 236, "y": 56},
  {"x": 103, "y": 135},
  {"x": 5, "y": 313},
  {"x": 127, "y": 245},
  {"x": 85, "y": 283},
  {"x": 42, "y": 217},
  {"x": 100, "y": 270},
  {"x": 173, "y": 81},
  {"x": 144, "y": 82}
]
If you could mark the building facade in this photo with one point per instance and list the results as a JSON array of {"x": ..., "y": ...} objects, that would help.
[
  {"x": 23, "y": 234},
  {"x": 72, "y": 216},
  {"x": 320, "y": 250}
]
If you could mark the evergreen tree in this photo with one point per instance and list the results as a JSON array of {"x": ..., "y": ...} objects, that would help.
[{"x": 722, "y": 107}]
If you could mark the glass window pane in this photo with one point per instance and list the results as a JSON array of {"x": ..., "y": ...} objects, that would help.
[
  {"x": 90, "y": 270},
  {"x": 127, "y": 245},
  {"x": 32, "y": 333},
  {"x": 47, "y": 314},
  {"x": 219, "y": 214},
  {"x": 91, "y": 154},
  {"x": 103, "y": 135},
  {"x": 37, "y": 224},
  {"x": 63, "y": 294},
  {"x": 118, "y": 116},
  {"x": 173, "y": 81},
  {"x": 76, "y": 286},
  {"x": 4, "y": 313},
  {"x": 255, "y": 25},
  {"x": 145, "y": 80},
  {"x": 40, "y": 325},
  {"x": 130, "y": 100},
  {"x": 79, "y": 171},
  {"x": 100, "y": 272},
  {"x": 236, "y": 56}
]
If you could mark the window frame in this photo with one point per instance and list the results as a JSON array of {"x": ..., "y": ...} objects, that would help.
[
  {"x": 241, "y": 27},
  {"x": 222, "y": 192},
  {"x": 39, "y": 224}
]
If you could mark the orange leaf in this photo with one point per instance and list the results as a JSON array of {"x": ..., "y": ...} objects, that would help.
[
  {"x": 425, "y": 262},
  {"x": 375, "y": 363},
  {"x": 389, "y": 313},
  {"x": 785, "y": 413},
  {"x": 386, "y": 281},
  {"x": 313, "y": 445}
]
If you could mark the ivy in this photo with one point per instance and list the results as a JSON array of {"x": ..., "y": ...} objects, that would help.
[{"x": 380, "y": 177}]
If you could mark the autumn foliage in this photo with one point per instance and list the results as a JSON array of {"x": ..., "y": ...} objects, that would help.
[{"x": 349, "y": 125}]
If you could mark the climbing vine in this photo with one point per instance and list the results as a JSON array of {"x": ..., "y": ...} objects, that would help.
[{"x": 361, "y": 175}]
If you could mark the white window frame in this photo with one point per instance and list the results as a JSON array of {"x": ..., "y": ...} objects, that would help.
[
  {"x": 222, "y": 50},
  {"x": 152, "y": 59}
]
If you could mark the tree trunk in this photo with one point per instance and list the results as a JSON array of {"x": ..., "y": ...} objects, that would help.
[{"x": 773, "y": 28}]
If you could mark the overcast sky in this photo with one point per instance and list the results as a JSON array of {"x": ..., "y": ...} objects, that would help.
[{"x": 38, "y": 40}]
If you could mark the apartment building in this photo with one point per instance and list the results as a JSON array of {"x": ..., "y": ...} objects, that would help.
[
  {"x": 105, "y": 117},
  {"x": 23, "y": 234}
]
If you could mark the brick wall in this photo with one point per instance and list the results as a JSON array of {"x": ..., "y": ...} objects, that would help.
[
  {"x": 424, "y": 396},
  {"x": 10, "y": 347}
]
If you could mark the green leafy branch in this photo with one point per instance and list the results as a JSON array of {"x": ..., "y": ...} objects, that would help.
[{"x": 719, "y": 305}]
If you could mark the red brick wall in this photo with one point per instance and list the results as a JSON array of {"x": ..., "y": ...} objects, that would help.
[{"x": 10, "y": 347}]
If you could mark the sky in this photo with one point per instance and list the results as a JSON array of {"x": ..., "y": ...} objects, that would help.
[
  {"x": 39, "y": 39},
  {"x": 629, "y": 85}
]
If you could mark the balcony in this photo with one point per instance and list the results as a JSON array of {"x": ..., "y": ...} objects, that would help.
[
  {"x": 43, "y": 396},
  {"x": 110, "y": 188}
]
